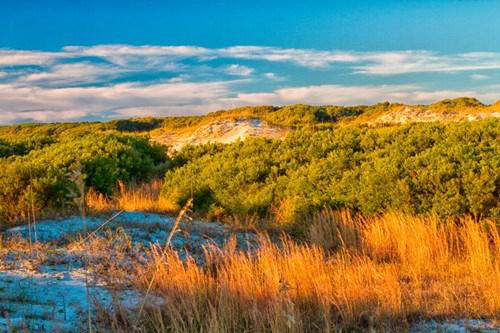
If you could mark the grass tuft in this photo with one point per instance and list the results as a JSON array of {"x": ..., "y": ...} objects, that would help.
[
  {"x": 371, "y": 273},
  {"x": 135, "y": 197}
]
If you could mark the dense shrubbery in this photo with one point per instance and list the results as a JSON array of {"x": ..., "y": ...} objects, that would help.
[
  {"x": 56, "y": 131},
  {"x": 8, "y": 149},
  {"x": 42, "y": 177},
  {"x": 448, "y": 169},
  {"x": 298, "y": 115},
  {"x": 22, "y": 146},
  {"x": 462, "y": 103}
]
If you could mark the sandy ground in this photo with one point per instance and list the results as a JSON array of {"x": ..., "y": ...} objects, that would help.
[
  {"x": 455, "y": 326},
  {"x": 221, "y": 131},
  {"x": 52, "y": 287}
]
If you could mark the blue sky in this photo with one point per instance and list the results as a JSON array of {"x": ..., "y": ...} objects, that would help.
[{"x": 97, "y": 60}]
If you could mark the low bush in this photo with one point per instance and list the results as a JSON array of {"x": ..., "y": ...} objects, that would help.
[
  {"x": 448, "y": 169},
  {"x": 44, "y": 178}
]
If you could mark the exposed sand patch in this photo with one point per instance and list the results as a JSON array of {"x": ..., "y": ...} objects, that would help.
[{"x": 221, "y": 131}]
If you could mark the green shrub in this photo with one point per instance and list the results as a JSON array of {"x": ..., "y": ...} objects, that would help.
[
  {"x": 448, "y": 169},
  {"x": 43, "y": 176}
]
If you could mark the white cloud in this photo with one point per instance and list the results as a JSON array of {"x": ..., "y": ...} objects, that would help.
[
  {"x": 73, "y": 73},
  {"x": 112, "y": 50},
  {"x": 240, "y": 70},
  {"x": 24, "y": 103},
  {"x": 479, "y": 77},
  {"x": 302, "y": 57},
  {"x": 28, "y": 103},
  {"x": 81, "y": 82},
  {"x": 349, "y": 95},
  {"x": 393, "y": 63},
  {"x": 21, "y": 58},
  {"x": 273, "y": 77},
  {"x": 373, "y": 63},
  {"x": 128, "y": 55},
  {"x": 168, "y": 57}
]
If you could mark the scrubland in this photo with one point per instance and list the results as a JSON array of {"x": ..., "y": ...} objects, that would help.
[{"x": 343, "y": 224}]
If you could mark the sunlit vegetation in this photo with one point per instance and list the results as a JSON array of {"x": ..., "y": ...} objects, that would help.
[
  {"x": 465, "y": 103},
  {"x": 447, "y": 169},
  {"x": 43, "y": 179},
  {"x": 385, "y": 273},
  {"x": 145, "y": 197},
  {"x": 381, "y": 225},
  {"x": 450, "y": 169}
]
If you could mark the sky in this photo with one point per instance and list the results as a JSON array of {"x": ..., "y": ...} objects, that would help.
[{"x": 98, "y": 60}]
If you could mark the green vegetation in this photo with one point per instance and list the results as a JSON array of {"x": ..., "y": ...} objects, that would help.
[
  {"x": 331, "y": 158},
  {"x": 448, "y": 169},
  {"x": 42, "y": 178},
  {"x": 395, "y": 223},
  {"x": 23, "y": 146},
  {"x": 294, "y": 116},
  {"x": 463, "y": 103},
  {"x": 300, "y": 115}
]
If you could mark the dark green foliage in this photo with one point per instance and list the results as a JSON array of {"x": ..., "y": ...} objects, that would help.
[
  {"x": 8, "y": 149},
  {"x": 448, "y": 169},
  {"x": 180, "y": 122},
  {"x": 55, "y": 130},
  {"x": 290, "y": 116},
  {"x": 297, "y": 115},
  {"x": 21, "y": 146},
  {"x": 137, "y": 125},
  {"x": 42, "y": 177}
]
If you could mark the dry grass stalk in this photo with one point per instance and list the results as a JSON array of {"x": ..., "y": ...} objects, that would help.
[
  {"x": 136, "y": 197},
  {"x": 182, "y": 214},
  {"x": 395, "y": 269}
]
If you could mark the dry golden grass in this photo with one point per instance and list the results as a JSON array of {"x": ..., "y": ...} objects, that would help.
[
  {"x": 385, "y": 272},
  {"x": 19, "y": 244},
  {"x": 136, "y": 197}
]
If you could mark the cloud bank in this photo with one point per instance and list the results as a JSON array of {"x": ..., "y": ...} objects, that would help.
[{"x": 110, "y": 81}]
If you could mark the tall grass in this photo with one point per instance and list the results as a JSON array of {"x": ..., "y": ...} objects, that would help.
[
  {"x": 135, "y": 197},
  {"x": 381, "y": 272}
]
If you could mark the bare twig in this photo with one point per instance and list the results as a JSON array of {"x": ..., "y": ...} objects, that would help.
[{"x": 101, "y": 226}]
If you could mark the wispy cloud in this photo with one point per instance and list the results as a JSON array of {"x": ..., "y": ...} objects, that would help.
[
  {"x": 105, "y": 81},
  {"x": 479, "y": 77},
  {"x": 301, "y": 57},
  {"x": 21, "y": 103},
  {"x": 348, "y": 95},
  {"x": 178, "y": 98},
  {"x": 127, "y": 55},
  {"x": 393, "y": 63},
  {"x": 273, "y": 76},
  {"x": 113, "y": 50},
  {"x": 73, "y": 73},
  {"x": 373, "y": 63},
  {"x": 21, "y": 58},
  {"x": 240, "y": 70}
]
